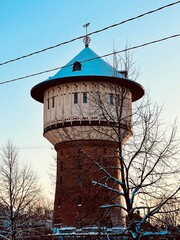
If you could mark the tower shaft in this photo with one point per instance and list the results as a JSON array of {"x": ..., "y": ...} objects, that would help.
[{"x": 78, "y": 202}]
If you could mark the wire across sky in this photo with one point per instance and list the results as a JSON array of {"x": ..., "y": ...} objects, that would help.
[
  {"x": 102, "y": 56},
  {"x": 94, "y": 32}
]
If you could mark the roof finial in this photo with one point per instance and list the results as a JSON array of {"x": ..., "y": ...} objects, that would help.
[{"x": 86, "y": 39}]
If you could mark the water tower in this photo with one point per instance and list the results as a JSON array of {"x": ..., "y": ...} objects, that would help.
[{"x": 82, "y": 136}]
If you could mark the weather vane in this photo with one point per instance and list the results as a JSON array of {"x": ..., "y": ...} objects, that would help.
[{"x": 86, "y": 39}]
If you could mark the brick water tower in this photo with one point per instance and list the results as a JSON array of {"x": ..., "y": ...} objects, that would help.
[{"x": 83, "y": 136}]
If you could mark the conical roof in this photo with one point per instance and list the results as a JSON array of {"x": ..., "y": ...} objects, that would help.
[
  {"x": 91, "y": 65},
  {"x": 90, "y": 68}
]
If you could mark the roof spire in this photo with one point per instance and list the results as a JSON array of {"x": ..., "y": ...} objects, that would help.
[{"x": 86, "y": 39}]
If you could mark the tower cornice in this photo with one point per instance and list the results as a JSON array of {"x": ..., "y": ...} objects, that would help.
[{"x": 135, "y": 88}]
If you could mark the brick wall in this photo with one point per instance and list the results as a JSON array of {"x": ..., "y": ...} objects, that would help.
[{"x": 77, "y": 200}]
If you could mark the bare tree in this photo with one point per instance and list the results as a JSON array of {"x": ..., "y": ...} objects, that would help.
[
  {"x": 39, "y": 218},
  {"x": 145, "y": 158},
  {"x": 169, "y": 216},
  {"x": 19, "y": 193},
  {"x": 148, "y": 161},
  {"x": 125, "y": 61}
]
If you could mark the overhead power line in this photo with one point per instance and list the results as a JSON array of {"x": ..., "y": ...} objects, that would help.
[
  {"x": 94, "y": 32},
  {"x": 33, "y": 147},
  {"x": 91, "y": 59}
]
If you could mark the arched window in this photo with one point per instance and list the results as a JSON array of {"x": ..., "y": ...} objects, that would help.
[
  {"x": 84, "y": 97},
  {"x": 61, "y": 166},
  {"x": 80, "y": 180},
  {"x": 59, "y": 202},
  {"x": 48, "y": 103},
  {"x": 75, "y": 97},
  {"x": 76, "y": 66},
  {"x": 53, "y": 102},
  {"x": 79, "y": 223},
  {"x": 79, "y": 201},
  {"x": 111, "y": 98}
]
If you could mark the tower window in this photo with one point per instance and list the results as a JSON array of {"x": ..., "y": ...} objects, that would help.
[
  {"x": 53, "y": 102},
  {"x": 84, "y": 97},
  {"x": 119, "y": 100},
  {"x": 76, "y": 66},
  {"x": 61, "y": 166},
  {"x": 111, "y": 96},
  {"x": 79, "y": 201},
  {"x": 59, "y": 202},
  {"x": 75, "y": 97},
  {"x": 48, "y": 103},
  {"x": 80, "y": 180},
  {"x": 79, "y": 223}
]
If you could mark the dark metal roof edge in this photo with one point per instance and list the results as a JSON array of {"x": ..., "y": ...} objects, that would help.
[{"x": 137, "y": 90}]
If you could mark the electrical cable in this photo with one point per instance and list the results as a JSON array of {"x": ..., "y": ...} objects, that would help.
[
  {"x": 102, "y": 56},
  {"x": 94, "y": 32},
  {"x": 33, "y": 148}
]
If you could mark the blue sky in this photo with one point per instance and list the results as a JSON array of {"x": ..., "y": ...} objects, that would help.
[{"x": 31, "y": 25}]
